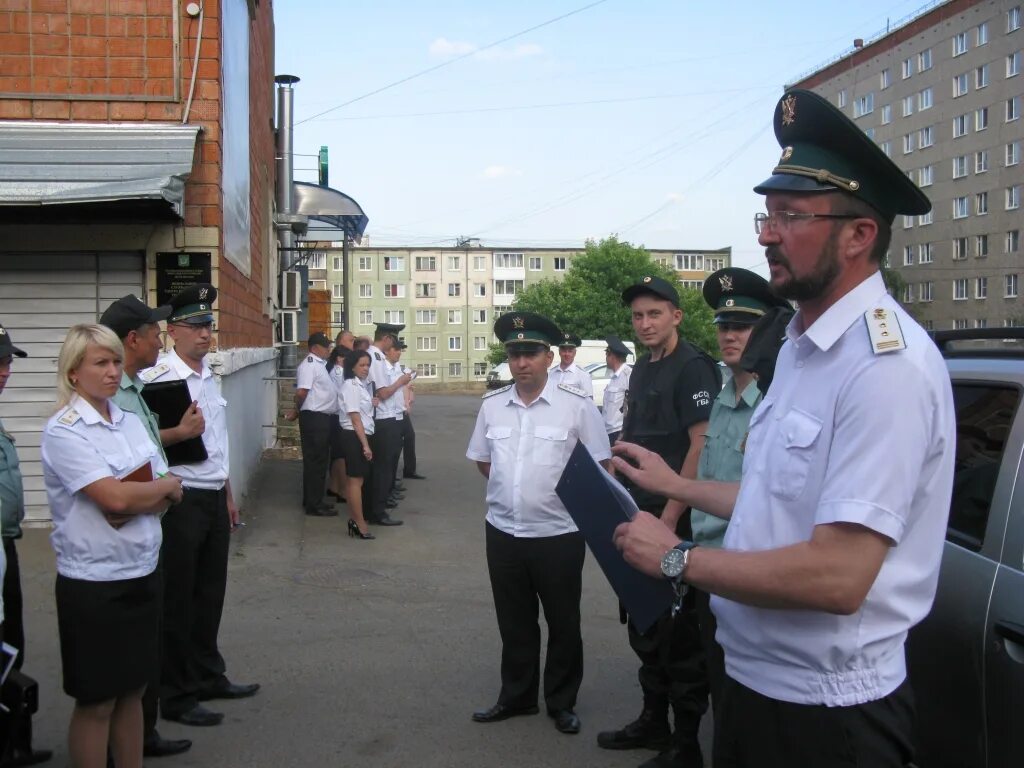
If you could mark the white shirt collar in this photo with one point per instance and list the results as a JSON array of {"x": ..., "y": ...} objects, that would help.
[
  {"x": 184, "y": 369},
  {"x": 545, "y": 394},
  {"x": 838, "y": 318},
  {"x": 90, "y": 415}
]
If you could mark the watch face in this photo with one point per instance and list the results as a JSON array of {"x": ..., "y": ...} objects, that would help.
[{"x": 672, "y": 563}]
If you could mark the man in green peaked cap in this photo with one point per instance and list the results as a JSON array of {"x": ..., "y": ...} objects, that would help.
[{"x": 836, "y": 526}]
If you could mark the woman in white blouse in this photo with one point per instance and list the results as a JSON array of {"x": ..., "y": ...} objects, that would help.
[
  {"x": 356, "y": 405},
  {"x": 106, "y": 483}
]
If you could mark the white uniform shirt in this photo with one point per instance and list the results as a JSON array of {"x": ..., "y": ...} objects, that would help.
[
  {"x": 211, "y": 474},
  {"x": 394, "y": 406},
  {"x": 528, "y": 447},
  {"x": 355, "y": 396},
  {"x": 574, "y": 376},
  {"x": 313, "y": 376},
  {"x": 380, "y": 368},
  {"x": 844, "y": 435},
  {"x": 615, "y": 397},
  {"x": 79, "y": 448}
]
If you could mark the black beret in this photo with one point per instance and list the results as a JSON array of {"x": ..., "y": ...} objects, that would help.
[
  {"x": 129, "y": 313},
  {"x": 658, "y": 286}
]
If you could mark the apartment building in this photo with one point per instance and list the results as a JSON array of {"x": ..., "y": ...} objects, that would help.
[
  {"x": 448, "y": 298},
  {"x": 942, "y": 95}
]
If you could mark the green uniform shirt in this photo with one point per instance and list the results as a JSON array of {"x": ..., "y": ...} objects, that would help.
[
  {"x": 722, "y": 457},
  {"x": 129, "y": 398},
  {"x": 12, "y": 498}
]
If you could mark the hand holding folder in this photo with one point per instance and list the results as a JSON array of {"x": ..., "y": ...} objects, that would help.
[{"x": 171, "y": 401}]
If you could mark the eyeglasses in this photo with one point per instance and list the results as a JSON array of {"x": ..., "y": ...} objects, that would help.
[
  {"x": 780, "y": 221},
  {"x": 211, "y": 327}
]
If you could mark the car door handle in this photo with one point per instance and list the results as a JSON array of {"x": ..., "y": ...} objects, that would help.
[{"x": 1010, "y": 630}]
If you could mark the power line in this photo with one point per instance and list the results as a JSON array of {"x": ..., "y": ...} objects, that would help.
[{"x": 453, "y": 61}]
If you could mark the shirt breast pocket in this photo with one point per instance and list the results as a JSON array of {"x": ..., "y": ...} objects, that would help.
[
  {"x": 549, "y": 446},
  {"x": 798, "y": 437},
  {"x": 499, "y": 441}
]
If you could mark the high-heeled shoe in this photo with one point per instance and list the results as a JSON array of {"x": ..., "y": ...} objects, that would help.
[{"x": 353, "y": 531}]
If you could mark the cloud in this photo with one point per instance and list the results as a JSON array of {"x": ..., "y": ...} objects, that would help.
[
  {"x": 675, "y": 197},
  {"x": 443, "y": 47},
  {"x": 500, "y": 172}
]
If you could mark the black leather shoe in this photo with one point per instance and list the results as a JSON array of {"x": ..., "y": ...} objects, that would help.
[
  {"x": 155, "y": 746},
  {"x": 323, "y": 511},
  {"x": 415, "y": 477},
  {"x": 566, "y": 721},
  {"x": 198, "y": 715},
  {"x": 503, "y": 712},
  {"x": 228, "y": 690},
  {"x": 649, "y": 731},
  {"x": 385, "y": 520},
  {"x": 20, "y": 757},
  {"x": 676, "y": 757}
]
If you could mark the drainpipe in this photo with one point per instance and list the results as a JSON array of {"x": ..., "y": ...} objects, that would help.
[{"x": 285, "y": 178}]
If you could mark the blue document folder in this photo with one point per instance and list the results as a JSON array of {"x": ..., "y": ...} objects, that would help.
[{"x": 598, "y": 504}]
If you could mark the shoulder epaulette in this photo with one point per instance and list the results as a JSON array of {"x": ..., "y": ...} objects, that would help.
[
  {"x": 309, "y": 358},
  {"x": 154, "y": 372},
  {"x": 884, "y": 331},
  {"x": 573, "y": 390},
  {"x": 494, "y": 392},
  {"x": 70, "y": 417},
  {"x": 377, "y": 355}
]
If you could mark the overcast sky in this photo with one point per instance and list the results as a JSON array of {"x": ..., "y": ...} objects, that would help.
[{"x": 646, "y": 118}]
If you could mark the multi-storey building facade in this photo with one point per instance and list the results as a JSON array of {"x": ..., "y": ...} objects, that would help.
[
  {"x": 448, "y": 298},
  {"x": 942, "y": 95}
]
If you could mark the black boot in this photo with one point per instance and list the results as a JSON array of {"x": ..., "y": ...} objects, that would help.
[
  {"x": 649, "y": 731},
  {"x": 688, "y": 756}
]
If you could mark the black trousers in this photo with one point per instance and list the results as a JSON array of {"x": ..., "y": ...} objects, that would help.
[
  {"x": 753, "y": 730},
  {"x": 525, "y": 572},
  {"x": 315, "y": 436},
  {"x": 151, "y": 698},
  {"x": 195, "y": 560},
  {"x": 386, "y": 442},
  {"x": 408, "y": 446},
  {"x": 14, "y": 627},
  {"x": 714, "y": 657}
]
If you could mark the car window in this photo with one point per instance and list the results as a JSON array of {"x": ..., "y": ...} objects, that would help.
[
  {"x": 984, "y": 415},
  {"x": 600, "y": 372}
]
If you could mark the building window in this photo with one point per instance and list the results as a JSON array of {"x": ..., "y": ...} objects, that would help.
[
  {"x": 713, "y": 265},
  {"x": 508, "y": 261},
  {"x": 1013, "y": 19},
  {"x": 1012, "y": 243},
  {"x": 926, "y": 291},
  {"x": 454, "y": 369},
  {"x": 365, "y": 291},
  {"x": 426, "y": 343},
  {"x": 981, "y": 203},
  {"x": 960, "y": 207},
  {"x": 926, "y": 137},
  {"x": 908, "y": 106},
  {"x": 924, "y": 60},
  {"x": 908, "y": 143},
  {"x": 908, "y": 255},
  {"x": 924, "y": 176},
  {"x": 479, "y": 369},
  {"x": 394, "y": 263},
  {"x": 690, "y": 262},
  {"x": 1011, "y": 287},
  {"x": 924, "y": 100},
  {"x": 1013, "y": 64},
  {"x": 426, "y": 370},
  {"x": 336, "y": 265},
  {"x": 454, "y": 289},
  {"x": 365, "y": 263},
  {"x": 454, "y": 263},
  {"x": 426, "y": 290},
  {"x": 479, "y": 316},
  {"x": 864, "y": 105},
  {"x": 454, "y": 343},
  {"x": 479, "y": 263},
  {"x": 981, "y": 77},
  {"x": 959, "y": 126},
  {"x": 908, "y": 293},
  {"x": 559, "y": 262},
  {"x": 426, "y": 263},
  {"x": 454, "y": 317},
  {"x": 1012, "y": 153},
  {"x": 960, "y": 289},
  {"x": 506, "y": 287},
  {"x": 959, "y": 167},
  {"x": 501, "y": 310},
  {"x": 981, "y": 288},
  {"x": 841, "y": 99},
  {"x": 394, "y": 290},
  {"x": 960, "y": 85},
  {"x": 959, "y": 248},
  {"x": 981, "y": 119},
  {"x": 959, "y": 43},
  {"x": 885, "y": 79},
  {"x": 479, "y": 289},
  {"x": 981, "y": 161},
  {"x": 886, "y": 114},
  {"x": 336, "y": 315},
  {"x": 365, "y": 316},
  {"x": 338, "y": 291},
  {"x": 395, "y": 316},
  {"x": 924, "y": 253},
  {"x": 908, "y": 68},
  {"x": 426, "y": 317},
  {"x": 981, "y": 34},
  {"x": 535, "y": 263},
  {"x": 1013, "y": 109},
  {"x": 981, "y": 322},
  {"x": 960, "y": 324},
  {"x": 981, "y": 246},
  {"x": 479, "y": 343},
  {"x": 886, "y": 147},
  {"x": 1013, "y": 197}
]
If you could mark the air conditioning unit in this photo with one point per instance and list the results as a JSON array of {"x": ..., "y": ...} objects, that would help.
[
  {"x": 291, "y": 290},
  {"x": 288, "y": 325}
]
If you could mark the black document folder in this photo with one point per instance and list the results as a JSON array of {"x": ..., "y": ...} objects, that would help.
[
  {"x": 598, "y": 504},
  {"x": 168, "y": 400}
]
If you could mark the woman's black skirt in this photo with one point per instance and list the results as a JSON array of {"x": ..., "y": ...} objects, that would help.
[{"x": 356, "y": 464}]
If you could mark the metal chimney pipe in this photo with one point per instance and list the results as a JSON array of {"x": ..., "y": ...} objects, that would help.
[{"x": 285, "y": 161}]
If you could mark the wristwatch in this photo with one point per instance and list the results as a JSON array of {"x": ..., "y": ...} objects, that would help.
[{"x": 674, "y": 562}]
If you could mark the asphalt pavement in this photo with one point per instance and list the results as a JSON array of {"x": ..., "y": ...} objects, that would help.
[{"x": 370, "y": 653}]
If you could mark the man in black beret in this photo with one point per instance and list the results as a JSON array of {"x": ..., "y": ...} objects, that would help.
[
  {"x": 523, "y": 438},
  {"x": 668, "y": 403},
  {"x": 834, "y": 543}
]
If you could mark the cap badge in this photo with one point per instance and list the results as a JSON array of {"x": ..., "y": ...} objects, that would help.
[
  {"x": 726, "y": 282},
  {"x": 202, "y": 307},
  {"x": 518, "y": 322},
  {"x": 647, "y": 279},
  {"x": 730, "y": 302},
  {"x": 786, "y": 154},
  {"x": 789, "y": 110},
  {"x": 203, "y": 292},
  {"x": 520, "y": 335},
  {"x": 3, "y": 332}
]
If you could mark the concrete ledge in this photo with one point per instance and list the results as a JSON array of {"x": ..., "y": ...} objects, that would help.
[{"x": 227, "y": 361}]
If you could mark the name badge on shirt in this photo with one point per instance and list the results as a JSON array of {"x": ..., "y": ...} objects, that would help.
[{"x": 884, "y": 331}]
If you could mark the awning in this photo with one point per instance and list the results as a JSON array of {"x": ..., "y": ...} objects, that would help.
[
  {"x": 335, "y": 209},
  {"x": 63, "y": 163}
]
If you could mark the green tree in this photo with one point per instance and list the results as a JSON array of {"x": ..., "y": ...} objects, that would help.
[{"x": 587, "y": 301}]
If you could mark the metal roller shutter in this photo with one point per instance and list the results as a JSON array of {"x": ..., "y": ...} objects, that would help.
[{"x": 41, "y": 296}]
